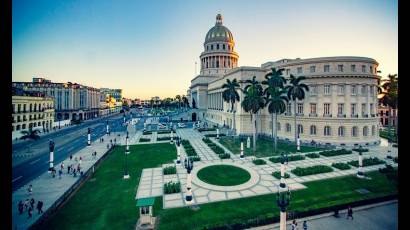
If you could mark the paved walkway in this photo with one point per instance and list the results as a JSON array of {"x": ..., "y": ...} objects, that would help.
[
  {"x": 48, "y": 189},
  {"x": 380, "y": 217}
]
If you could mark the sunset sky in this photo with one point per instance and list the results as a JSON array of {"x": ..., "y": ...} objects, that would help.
[{"x": 149, "y": 48}]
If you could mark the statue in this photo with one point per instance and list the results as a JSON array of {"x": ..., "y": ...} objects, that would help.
[
  {"x": 193, "y": 104},
  {"x": 51, "y": 145}
]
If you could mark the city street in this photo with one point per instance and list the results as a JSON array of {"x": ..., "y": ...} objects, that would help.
[{"x": 66, "y": 142}]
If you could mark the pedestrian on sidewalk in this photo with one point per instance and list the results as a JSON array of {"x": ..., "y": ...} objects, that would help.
[
  {"x": 108, "y": 146},
  {"x": 102, "y": 139},
  {"x": 60, "y": 172},
  {"x": 349, "y": 212},
  {"x": 294, "y": 225},
  {"x": 76, "y": 159},
  {"x": 81, "y": 159},
  {"x": 68, "y": 169},
  {"x": 40, "y": 207},
  {"x": 74, "y": 173},
  {"x": 30, "y": 213},
  {"x": 78, "y": 168},
  {"x": 26, "y": 204},
  {"x": 32, "y": 202},
  {"x": 62, "y": 165},
  {"x": 21, "y": 207},
  {"x": 30, "y": 189},
  {"x": 53, "y": 172},
  {"x": 71, "y": 157},
  {"x": 304, "y": 225}
]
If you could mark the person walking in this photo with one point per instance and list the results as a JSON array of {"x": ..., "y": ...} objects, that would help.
[
  {"x": 71, "y": 157},
  {"x": 304, "y": 225},
  {"x": 26, "y": 204},
  {"x": 349, "y": 212},
  {"x": 32, "y": 202},
  {"x": 60, "y": 172},
  {"x": 40, "y": 207},
  {"x": 30, "y": 213},
  {"x": 62, "y": 166},
  {"x": 68, "y": 169},
  {"x": 294, "y": 225},
  {"x": 30, "y": 189},
  {"x": 21, "y": 207}
]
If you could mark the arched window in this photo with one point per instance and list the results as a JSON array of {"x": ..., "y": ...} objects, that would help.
[
  {"x": 312, "y": 130},
  {"x": 288, "y": 127},
  {"x": 354, "y": 131},
  {"x": 373, "y": 130},
  {"x": 365, "y": 131},
  {"x": 278, "y": 126},
  {"x": 341, "y": 131},
  {"x": 300, "y": 129},
  {"x": 327, "y": 131}
]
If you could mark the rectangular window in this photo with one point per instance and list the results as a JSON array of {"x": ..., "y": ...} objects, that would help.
[
  {"x": 340, "y": 68},
  {"x": 223, "y": 46},
  {"x": 300, "y": 108},
  {"x": 326, "y": 68},
  {"x": 371, "y": 69},
  {"x": 18, "y": 108},
  {"x": 217, "y": 46},
  {"x": 212, "y": 47},
  {"x": 313, "y": 89},
  {"x": 289, "y": 109},
  {"x": 326, "y": 107},
  {"x": 363, "y": 68},
  {"x": 364, "y": 111},
  {"x": 299, "y": 69},
  {"x": 353, "y": 109},
  {"x": 312, "y": 69},
  {"x": 364, "y": 90},
  {"x": 340, "y": 109},
  {"x": 354, "y": 89},
  {"x": 312, "y": 108},
  {"x": 287, "y": 71},
  {"x": 341, "y": 90},
  {"x": 353, "y": 68},
  {"x": 371, "y": 108},
  {"x": 326, "y": 89}
]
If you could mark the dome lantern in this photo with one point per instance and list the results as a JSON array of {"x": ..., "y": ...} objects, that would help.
[{"x": 218, "y": 19}]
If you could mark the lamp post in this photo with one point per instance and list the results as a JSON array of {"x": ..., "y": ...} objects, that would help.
[
  {"x": 127, "y": 151},
  {"x": 51, "y": 145},
  {"x": 124, "y": 118},
  {"x": 283, "y": 160},
  {"x": 178, "y": 151},
  {"x": 108, "y": 128},
  {"x": 248, "y": 143},
  {"x": 217, "y": 133},
  {"x": 360, "y": 173},
  {"x": 189, "y": 165},
  {"x": 172, "y": 137},
  {"x": 298, "y": 143},
  {"x": 89, "y": 138},
  {"x": 283, "y": 201}
]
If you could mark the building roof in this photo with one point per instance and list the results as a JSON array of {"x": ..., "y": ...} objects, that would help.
[
  {"x": 219, "y": 32},
  {"x": 148, "y": 201}
]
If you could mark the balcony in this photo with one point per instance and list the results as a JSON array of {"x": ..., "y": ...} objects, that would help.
[
  {"x": 299, "y": 114},
  {"x": 312, "y": 114},
  {"x": 327, "y": 115},
  {"x": 354, "y": 115},
  {"x": 288, "y": 114},
  {"x": 341, "y": 115},
  {"x": 365, "y": 115},
  {"x": 373, "y": 115}
]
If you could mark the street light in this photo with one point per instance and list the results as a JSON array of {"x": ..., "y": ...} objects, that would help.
[
  {"x": 283, "y": 160},
  {"x": 178, "y": 151},
  {"x": 108, "y": 128},
  {"x": 172, "y": 137},
  {"x": 283, "y": 201},
  {"x": 241, "y": 148},
  {"x": 360, "y": 173},
  {"x": 298, "y": 144},
  {"x": 89, "y": 138},
  {"x": 51, "y": 145},
  {"x": 189, "y": 165},
  {"x": 217, "y": 133},
  {"x": 127, "y": 151}
]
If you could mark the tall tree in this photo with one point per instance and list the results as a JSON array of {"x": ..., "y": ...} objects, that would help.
[
  {"x": 184, "y": 101},
  {"x": 253, "y": 102},
  {"x": 230, "y": 95},
  {"x": 275, "y": 97},
  {"x": 178, "y": 98},
  {"x": 389, "y": 91},
  {"x": 296, "y": 91}
]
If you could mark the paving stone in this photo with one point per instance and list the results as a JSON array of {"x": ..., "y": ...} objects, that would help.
[{"x": 214, "y": 195}]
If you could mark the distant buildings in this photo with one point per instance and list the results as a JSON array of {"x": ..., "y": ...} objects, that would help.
[{"x": 384, "y": 116}]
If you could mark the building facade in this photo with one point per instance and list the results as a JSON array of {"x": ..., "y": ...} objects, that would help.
[
  {"x": 31, "y": 111},
  {"x": 339, "y": 109},
  {"x": 71, "y": 100},
  {"x": 384, "y": 116}
]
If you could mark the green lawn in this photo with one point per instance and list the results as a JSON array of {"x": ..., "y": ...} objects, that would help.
[
  {"x": 224, "y": 175},
  {"x": 107, "y": 200},
  {"x": 318, "y": 194},
  {"x": 385, "y": 134},
  {"x": 264, "y": 147}
]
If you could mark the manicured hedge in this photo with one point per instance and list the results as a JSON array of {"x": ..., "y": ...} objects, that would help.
[
  {"x": 163, "y": 138},
  {"x": 331, "y": 153},
  {"x": 276, "y": 174},
  {"x": 190, "y": 151},
  {"x": 387, "y": 169},
  {"x": 147, "y": 132},
  {"x": 172, "y": 187},
  {"x": 224, "y": 156},
  {"x": 290, "y": 158},
  {"x": 367, "y": 162},
  {"x": 206, "y": 129},
  {"x": 218, "y": 150},
  {"x": 363, "y": 150},
  {"x": 145, "y": 139},
  {"x": 259, "y": 162},
  {"x": 195, "y": 158},
  {"x": 164, "y": 131},
  {"x": 169, "y": 170},
  {"x": 214, "y": 135},
  {"x": 341, "y": 166},
  {"x": 313, "y": 155},
  {"x": 312, "y": 170}
]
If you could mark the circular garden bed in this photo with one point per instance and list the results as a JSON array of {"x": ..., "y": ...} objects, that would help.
[{"x": 223, "y": 175}]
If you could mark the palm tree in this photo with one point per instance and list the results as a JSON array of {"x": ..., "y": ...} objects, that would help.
[
  {"x": 296, "y": 91},
  {"x": 389, "y": 92},
  {"x": 30, "y": 134},
  {"x": 253, "y": 102},
  {"x": 184, "y": 101},
  {"x": 230, "y": 95},
  {"x": 275, "y": 97},
  {"x": 178, "y": 98}
]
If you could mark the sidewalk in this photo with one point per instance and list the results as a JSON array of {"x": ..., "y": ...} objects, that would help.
[{"x": 49, "y": 190}]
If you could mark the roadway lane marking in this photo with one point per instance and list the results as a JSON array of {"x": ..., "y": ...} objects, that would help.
[
  {"x": 34, "y": 161},
  {"x": 15, "y": 179}
]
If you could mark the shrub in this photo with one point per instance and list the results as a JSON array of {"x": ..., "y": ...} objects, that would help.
[
  {"x": 195, "y": 158},
  {"x": 145, "y": 139},
  {"x": 207, "y": 140},
  {"x": 206, "y": 129},
  {"x": 163, "y": 138},
  {"x": 363, "y": 150},
  {"x": 312, "y": 170},
  {"x": 147, "y": 132},
  {"x": 290, "y": 158},
  {"x": 276, "y": 174},
  {"x": 214, "y": 135},
  {"x": 312, "y": 155},
  {"x": 341, "y": 166},
  {"x": 367, "y": 162},
  {"x": 224, "y": 156},
  {"x": 172, "y": 187},
  {"x": 169, "y": 170},
  {"x": 259, "y": 162},
  {"x": 331, "y": 153},
  {"x": 164, "y": 131},
  {"x": 387, "y": 169},
  {"x": 218, "y": 150}
]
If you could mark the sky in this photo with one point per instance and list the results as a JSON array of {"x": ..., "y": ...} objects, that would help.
[{"x": 149, "y": 48}]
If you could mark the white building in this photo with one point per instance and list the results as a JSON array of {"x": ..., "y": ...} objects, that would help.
[{"x": 340, "y": 108}]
